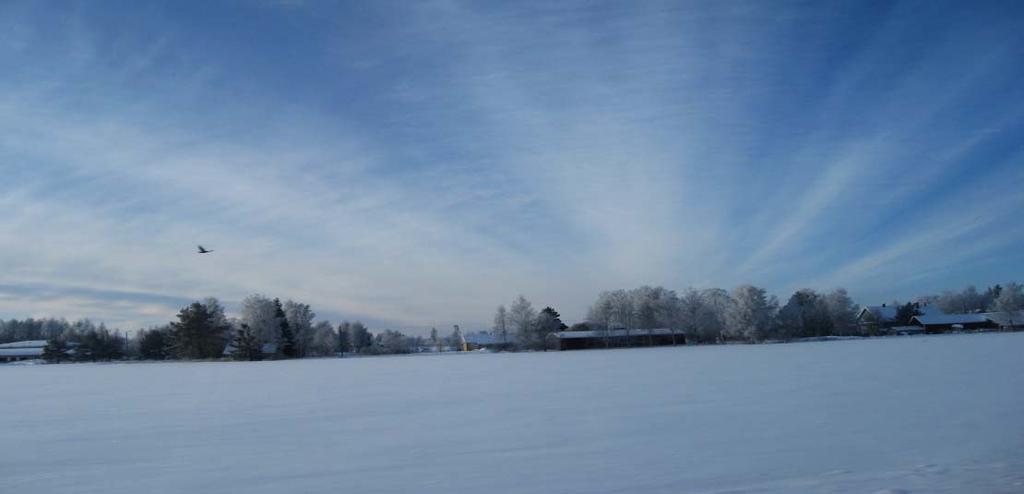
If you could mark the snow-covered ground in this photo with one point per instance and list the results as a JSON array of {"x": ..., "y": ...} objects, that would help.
[{"x": 916, "y": 414}]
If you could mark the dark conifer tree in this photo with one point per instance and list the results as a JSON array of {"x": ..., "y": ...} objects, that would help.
[
  {"x": 153, "y": 345},
  {"x": 56, "y": 351},
  {"x": 906, "y": 312},
  {"x": 247, "y": 347},
  {"x": 286, "y": 346},
  {"x": 197, "y": 334},
  {"x": 344, "y": 338}
]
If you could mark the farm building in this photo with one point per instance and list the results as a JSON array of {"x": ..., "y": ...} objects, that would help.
[
  {"x": 875, "y": 319},
  {"x": 882, "y": 319},
  {"x": 906, "y": 330},
  {"x": 1007, "y": 320},
  {"x": 268, "y": 350},
  {"x": 942, "y": 323},
  {"x": 579, "y": 340},
  {"x": 22, "y": 350},
  {"x": 483, "y": 339}
]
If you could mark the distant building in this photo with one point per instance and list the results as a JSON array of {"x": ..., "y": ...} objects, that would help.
[
  {"x": 1007, "y": 320},
  {"x": 579, "y": 340},
  {"x": 944, "y": 323},
  {"x": 483, "y": 339},
  {"x": 876, "y": 319},
  {"x": 906, "y": 330},
  {"x": 929, "y": 318},
  {"x": 881, "y": 319},
  {"x": 22, "y": 350},
  {"x": 268, "y": 350}
]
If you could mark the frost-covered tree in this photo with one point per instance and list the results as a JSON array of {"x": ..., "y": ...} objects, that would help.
[
  {"x": 300, "y": 320},
  {"x": 691, "y": 304},
  {"x": 805, "y": 314},
  {"x": 654, "y": 307},
  {"x": 645, "y": 307},
  {"x": 260, "y": 314},
  {"x": 435, "y": 340},
  {"x": 501, "y": 324},
  {"x": 714, "y": 318},
  {"x": 547, "y": 321},
  {"x": 702, "y": 314},
  {"x": 1010, "y": 303},
  {"x": 601, "y": 315},
  {"x": 391, "y": 342},
  {"x": 614, "y": 310},
  {"x": 361, "y": 337},
  {"x": 325, "y": 340},
  {"x": 457, "y": 339},
  {"x": 968, "y": 301},
  {"x": 990, "y": 296},
  {"x": 750, "y": 314},
  {"x": 842, "y": 311},
  {"x": 521, "y": 318},
  {"x": 623, "y": 310}
]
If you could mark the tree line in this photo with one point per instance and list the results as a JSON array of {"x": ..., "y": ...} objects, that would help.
[
  {"x": 270, "y": 329},
  {"x": 713, "y": 315},
  {"x": 266, "y": 329},
  {"x": 745, "y": 314}
]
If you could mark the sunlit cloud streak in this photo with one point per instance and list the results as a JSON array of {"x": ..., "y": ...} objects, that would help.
[{"x": 416, "y": 164}]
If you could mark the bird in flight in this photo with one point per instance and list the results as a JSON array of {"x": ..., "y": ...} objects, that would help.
[{"x": 202, "y": 250}]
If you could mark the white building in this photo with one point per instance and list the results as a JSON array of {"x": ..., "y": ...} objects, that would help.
[{"x": 22, "y": 350}]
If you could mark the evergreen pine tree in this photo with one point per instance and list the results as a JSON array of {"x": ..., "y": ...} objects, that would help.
[
  {"x": 56, "y": 351},
  {"x": 247, "y": 347},
  {"x": 153, "y": 345},
  {"x": 197, "y": 334},
  {"x": 906, "y": 312},
  {"x": 286, "y": 346},
  {"x": 344, "y": 338}
]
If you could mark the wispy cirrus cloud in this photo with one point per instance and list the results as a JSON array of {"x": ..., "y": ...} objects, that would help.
[{"x": 416, "y": 165}]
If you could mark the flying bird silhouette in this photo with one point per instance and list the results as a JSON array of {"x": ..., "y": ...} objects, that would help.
[{"x": 203, "y": 250}]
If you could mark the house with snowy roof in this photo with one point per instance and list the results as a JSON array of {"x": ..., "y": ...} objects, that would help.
[
  {"x": 1013, "y": 320},
  {"x": 268, "y": 350},
  {"x": 876, "y": 319},
  {"x": 938, "y": 322},
  {"x": 929, "y": 318},
  {"x": 22, "y": 350},
  {"x": 484, "y": 339},
  {"x": 579, "y": 340}
]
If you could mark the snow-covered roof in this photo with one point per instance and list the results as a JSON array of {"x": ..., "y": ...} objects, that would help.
[
  {"x": 882, "y": 313},
  {"x": 266, "y": 348},
  {"x": 942, "y": 319},
  {"x": 906, "y": 329},
  {"x": 567, "y": 335},
  {"x": 482, "y": 338},
  {"x": 25, "y": 344},
  {"x": 21, "y": 352},
  {"x": 888, "y": 313},
  {"x": 1004, "y": 318}
]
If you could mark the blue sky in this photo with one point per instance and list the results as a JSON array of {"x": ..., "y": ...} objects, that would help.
[{"x": 415, "y": 164}]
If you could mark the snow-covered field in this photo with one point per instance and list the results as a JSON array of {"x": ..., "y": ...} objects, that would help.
[{"x": 917, "y": 414}]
